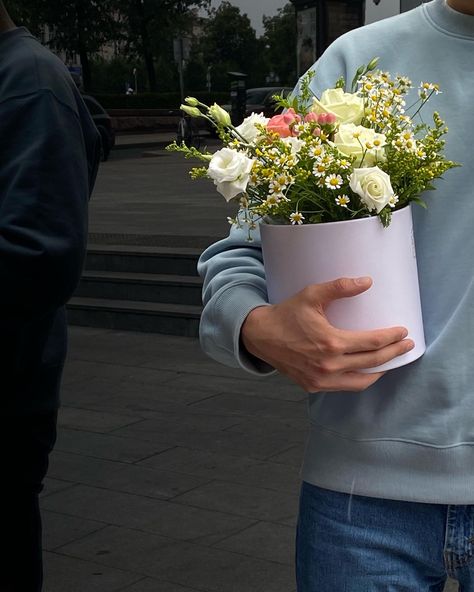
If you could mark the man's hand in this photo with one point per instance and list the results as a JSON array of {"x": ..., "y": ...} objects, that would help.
[{"x": 296, "y": 338}]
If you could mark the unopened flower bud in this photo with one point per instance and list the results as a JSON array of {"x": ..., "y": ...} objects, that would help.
[
  {"x": 191, "y": 101},
  {"x": 312, "y": 117},
  {"x": 219, "y": 115},
  {"x": 192, "y": 111},
  {"x": 372, "y": 64}
]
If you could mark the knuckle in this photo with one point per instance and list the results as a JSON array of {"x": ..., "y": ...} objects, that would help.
[
  {"x": 342, "y": 284},
  {"x": 378, "y": 359},
  {"x": 330, "y": 345},
  {"x": 327, "y": 366},
  {"x": 376, "y": 342}
]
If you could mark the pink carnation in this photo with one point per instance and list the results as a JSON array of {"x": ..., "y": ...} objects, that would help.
[{"x": 283, "y": 124}]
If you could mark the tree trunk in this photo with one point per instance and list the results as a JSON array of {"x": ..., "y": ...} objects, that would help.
[
  {"x": 147, "y": 53},
  {"x": 86, "y": 69},
  {"x": 82, "y": 48}
]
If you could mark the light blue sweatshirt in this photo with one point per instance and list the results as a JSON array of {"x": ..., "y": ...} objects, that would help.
[{"x": 411, "y": 435}]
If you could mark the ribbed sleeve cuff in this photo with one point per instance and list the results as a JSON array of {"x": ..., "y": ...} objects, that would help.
[{"x": 220, "y": 337}]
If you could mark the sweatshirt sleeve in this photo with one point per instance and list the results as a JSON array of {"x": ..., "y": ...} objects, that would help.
[
  {"x": 234, "y": 284},
  {"x": 44, "y": 192},
  {"x": 233, "y": 270}
]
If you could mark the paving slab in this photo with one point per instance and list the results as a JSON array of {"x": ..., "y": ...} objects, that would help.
[
  {"x": 272, "y": 387},
  {"x": 172, "y": 520},
  {"x": 259, "y": 446},
  {"x": 264, "y": 540},
  {"x": 252, "y": 406},
  {"x": 106, "y": 446},
  {"x": 52, "y": 485},
  {"x": 152, "y": 585},
  {"x": 242, "y": 500},
  {"x": 207, "y": 569},
  {"x": 123, "y": 477},
  {"x": 75, "y": 575},
  {"x": 60, "y": 529},
  {"x": 93, "y": 421},
  {"x": 293, "y": 456},
  {"x": 84, "y": 371},
  {"x": 130, "y": 394},
  {"x": 221, "y": 466}
]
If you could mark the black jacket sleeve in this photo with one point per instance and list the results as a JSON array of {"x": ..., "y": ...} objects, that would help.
[{"x": 45, "y": 184}]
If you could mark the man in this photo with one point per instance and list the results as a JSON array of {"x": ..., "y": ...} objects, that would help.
[
  {"x": 49, "y": 153},
  {"x": 388, "y": 492}
]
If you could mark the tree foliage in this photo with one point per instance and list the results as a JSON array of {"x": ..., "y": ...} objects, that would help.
[
  {"x": 280, "y": 44},
  {"x": 229, "y": 43},
  {"x": 79, "y": 26},
  {"x": 149, "y": 27}
]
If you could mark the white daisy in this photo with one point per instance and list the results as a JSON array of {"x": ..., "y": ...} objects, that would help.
[
  {"x": 334, "y": 181},
  {"x": 296, "y": 218}
]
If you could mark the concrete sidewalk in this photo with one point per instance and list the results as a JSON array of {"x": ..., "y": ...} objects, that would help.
[{"x": 171, "y": 473}]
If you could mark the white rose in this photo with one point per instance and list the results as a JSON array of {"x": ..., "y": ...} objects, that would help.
[
  {"x": 361, "y": 142},
  {"x": 347, "y": 107},
  {"x": 247, "y": 128},
  {"x": 294, "y": 143},
  {"x": 373, "y": 186},
  {"x": 230, "y": 171}
]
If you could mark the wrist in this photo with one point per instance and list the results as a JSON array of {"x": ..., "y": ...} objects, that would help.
[{"x": 253, "y": 327}]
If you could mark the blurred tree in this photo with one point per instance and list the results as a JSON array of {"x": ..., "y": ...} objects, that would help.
[
  {"x": 230, "y": 43},
  {"x": 79, "y": 26},
  {"x": 280, "y": 44},
  {"x": 149, "y": 27}
]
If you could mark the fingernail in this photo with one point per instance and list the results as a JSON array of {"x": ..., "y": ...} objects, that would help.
[
  {"x": 362, "y": 281},
  {"x": 404, "y": 333},
  {"x": 410, "y": 345}
]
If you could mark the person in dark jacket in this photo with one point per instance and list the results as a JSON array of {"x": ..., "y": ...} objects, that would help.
[{"x": 49, "y": 154}]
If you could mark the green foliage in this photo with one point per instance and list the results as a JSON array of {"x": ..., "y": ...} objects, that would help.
[
  {"x": 229, "y": 44},
  {"x": 80, "y": 27},
  {"x": 148, "y": 30}
]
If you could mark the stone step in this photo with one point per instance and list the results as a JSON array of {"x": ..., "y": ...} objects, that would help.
[
  {"x": 144, "y": 287},
  {"x": 126, "y": 315},
  {"x": 143, "y": 259}
]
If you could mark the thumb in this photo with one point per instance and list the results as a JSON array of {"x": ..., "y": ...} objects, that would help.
[{"x": 340, "y": 288}]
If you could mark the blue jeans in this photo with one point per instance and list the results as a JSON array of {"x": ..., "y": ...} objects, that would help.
[{"x": 353, "y": 543}]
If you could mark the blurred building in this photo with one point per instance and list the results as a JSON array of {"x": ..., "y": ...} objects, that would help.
[{"x": 320, "y": 22}]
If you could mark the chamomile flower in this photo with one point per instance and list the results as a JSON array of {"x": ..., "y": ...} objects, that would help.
[
  {"x": 272, "y": 201},
  {"x": 334, "y": 181},
  {"x": 430, "y": 86},
  {"x": 319, "y": 169},
  {"x": 296, "y": 218},
  {"x": 345, "y": 164},
  {"x": 316, "y": 151},
  {"x": 392, "y": 202},
  {"x": 342, "y": 200}
]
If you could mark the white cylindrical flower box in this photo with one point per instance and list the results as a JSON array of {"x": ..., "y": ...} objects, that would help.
[{"x": 298, "y": 256}]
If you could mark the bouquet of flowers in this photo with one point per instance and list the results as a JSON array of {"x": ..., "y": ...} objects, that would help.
[{"x": 340, "y": 156}]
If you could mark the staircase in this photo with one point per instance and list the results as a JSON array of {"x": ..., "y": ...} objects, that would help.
[{"x": 153, "y": 289}]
